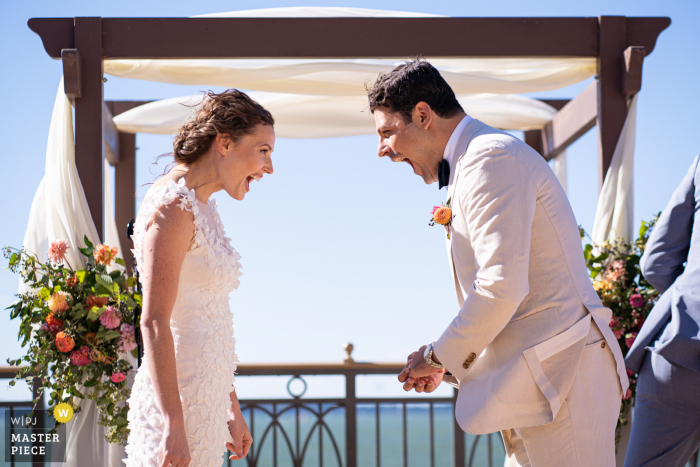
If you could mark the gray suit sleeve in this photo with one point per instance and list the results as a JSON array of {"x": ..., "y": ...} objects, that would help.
[{"x": 669, "y": 243}]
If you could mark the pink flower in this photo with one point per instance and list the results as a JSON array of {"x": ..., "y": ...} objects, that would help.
[
  {"x": 618, "y": 333},
  {"x": 110, "y": 318},
  {"x": 57, "y": 250},
  {"x": 81, "y": 357},
  {"x": 435, "y": 208},
  {"x": 127, "y": 340},
  {"x": 627, "y": 395},
  {"x": 118, "y": 377},
  {"x": 636, "y": 301},
  {"x": 629, "y": 339},
  {"x": 629, "y": 373}
]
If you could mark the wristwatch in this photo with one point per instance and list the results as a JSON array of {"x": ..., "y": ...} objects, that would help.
[{"x": 428, "y": 357}]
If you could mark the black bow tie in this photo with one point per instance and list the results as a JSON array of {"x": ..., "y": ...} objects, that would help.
[{"x": 443, "y": 174}]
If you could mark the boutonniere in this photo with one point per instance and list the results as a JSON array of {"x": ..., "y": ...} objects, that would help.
[{"x": 442, "y": 215}]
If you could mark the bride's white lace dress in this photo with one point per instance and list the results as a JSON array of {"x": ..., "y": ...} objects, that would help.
[{"x": 202, "y": 327}]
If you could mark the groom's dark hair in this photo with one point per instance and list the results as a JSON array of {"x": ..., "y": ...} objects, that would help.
[{"x": 408, "y": 84}]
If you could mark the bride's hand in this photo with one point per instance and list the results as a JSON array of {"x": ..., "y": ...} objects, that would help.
[
  {"x": 242, "y": 439},
  {"x": 174, "y": 448}
]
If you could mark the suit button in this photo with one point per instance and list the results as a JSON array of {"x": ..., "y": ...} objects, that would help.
[
  {"x": 602, "y": 345},
  {"x": 467, "y": 363}
]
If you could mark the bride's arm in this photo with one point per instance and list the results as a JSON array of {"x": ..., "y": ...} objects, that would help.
[
  {"x": 165, "y": 245},
  {"x": 238, "y": 428}
]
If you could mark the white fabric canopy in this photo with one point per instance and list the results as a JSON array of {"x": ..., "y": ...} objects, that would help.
[
  {"x": 60, "y": 209},
  {"x": 346, "y": 77},
  {"x": 615, "y": 212},
  {"x": 302, "y": 116}
]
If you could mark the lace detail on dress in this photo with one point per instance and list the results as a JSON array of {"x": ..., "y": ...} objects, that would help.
[{"x": 202, "y": 329}]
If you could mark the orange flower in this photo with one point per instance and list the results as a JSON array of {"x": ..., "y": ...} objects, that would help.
[
  {"x": 90, "y": 338},
  {"x": 104, "y": 254},
  {"x": 442, "y": 215},
  {"x": 94, "y": 300},
  {"x": 72, "y": 281},
  {"x": 54, "y": 323},
  {"x": 58, "y": 301},
  {"x": 64, "y": 342},
  {"x": 97, "y": 356}
]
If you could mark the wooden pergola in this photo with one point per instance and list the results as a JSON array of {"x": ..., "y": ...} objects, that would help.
[{"x": 619, "y": 43}]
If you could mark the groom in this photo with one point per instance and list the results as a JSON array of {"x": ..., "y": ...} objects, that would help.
[{"x": 530, "y": 347}]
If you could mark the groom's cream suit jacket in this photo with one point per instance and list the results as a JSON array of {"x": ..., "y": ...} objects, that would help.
[{"x": 525, "y": 296}]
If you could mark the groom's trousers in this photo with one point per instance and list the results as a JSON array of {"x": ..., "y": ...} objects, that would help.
[{"x": 583, "y": 432}]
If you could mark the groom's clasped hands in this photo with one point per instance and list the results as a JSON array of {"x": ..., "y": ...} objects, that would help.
[{"x": 419, "y": 375}]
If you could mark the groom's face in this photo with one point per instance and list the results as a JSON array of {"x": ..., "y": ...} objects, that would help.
[{"x": 404, "y": 142}]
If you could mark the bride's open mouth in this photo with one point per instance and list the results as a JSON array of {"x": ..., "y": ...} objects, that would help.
[{"x": 249, "y": 179}]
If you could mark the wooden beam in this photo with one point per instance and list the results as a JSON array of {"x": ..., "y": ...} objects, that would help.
[
  {"x": 612, "y": 103},
  {"x": 570, "y": 123},
  {"x": 71, "y": 73},
  {"x": 344, "y": 37},
  {"x": 88, "y": 118},
  {"x": 111, "y": 136},
  {"x": 632, "y": 73}
]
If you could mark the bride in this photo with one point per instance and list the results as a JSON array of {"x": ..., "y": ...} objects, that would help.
[{"x": 183, "y": 407}]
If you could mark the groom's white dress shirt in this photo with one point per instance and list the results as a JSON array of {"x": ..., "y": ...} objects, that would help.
[{"x": 526, "y": 301}]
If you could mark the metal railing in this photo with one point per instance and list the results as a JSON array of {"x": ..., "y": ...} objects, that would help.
[{"x": 357, "y": 431}]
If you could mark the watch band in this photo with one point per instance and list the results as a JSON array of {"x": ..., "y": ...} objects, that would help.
[{"x": 428, "y": 356}]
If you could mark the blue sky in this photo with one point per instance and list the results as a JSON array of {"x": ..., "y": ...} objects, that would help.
[{"x": 335, "y": 244}]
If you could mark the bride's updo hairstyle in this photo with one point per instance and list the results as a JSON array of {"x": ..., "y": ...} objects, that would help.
[{"x": 230, "y": 113}]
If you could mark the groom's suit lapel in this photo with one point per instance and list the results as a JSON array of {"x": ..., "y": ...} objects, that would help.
[{"x": 474, "y": 127}]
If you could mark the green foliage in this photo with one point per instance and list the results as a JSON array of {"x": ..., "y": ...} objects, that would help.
[
  {"x": 617, "y": 278},
  {"x": 73, "y": 315}
]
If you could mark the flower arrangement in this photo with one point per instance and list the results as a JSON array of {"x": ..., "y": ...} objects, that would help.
[
  {"x": 442, "y": 215},
  {"x": 618, "y": 280},
  {"x": 76, "y": 324}
]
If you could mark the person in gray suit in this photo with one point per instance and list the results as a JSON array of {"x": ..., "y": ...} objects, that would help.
[{"x": 666, "y": 353}]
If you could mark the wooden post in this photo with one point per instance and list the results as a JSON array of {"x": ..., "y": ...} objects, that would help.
[
  {"x": 125, "y": 192},
  {"x": 125, "y": 180},
  {"x": 612, "y": 103},
  {"x": 88, "y": 117}
]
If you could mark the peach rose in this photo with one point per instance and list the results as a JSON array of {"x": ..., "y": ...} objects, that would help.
[{"x": 58, "y": 301}]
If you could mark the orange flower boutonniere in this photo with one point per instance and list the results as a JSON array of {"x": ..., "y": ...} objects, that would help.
[{"x": 442, "y": 215}]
